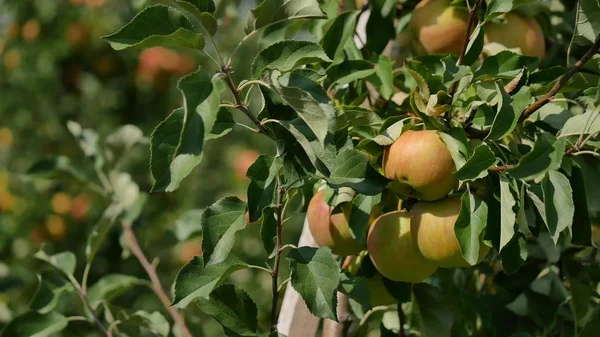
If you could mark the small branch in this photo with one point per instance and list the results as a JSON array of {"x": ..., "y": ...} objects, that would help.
[
  {"x": 251, "y": 266},
  {"x": 238, "y": 100},
  {"x": 463, "y": 51},
  {"x": 503, "y": 168},
  {"x": 275, "y": 273},
  {"x": 156, "y": 285},
  {"x": 253, "y": 82},
  {"x": 86, "y": 303},
  {"x": 561, "y": 82},
  {"x": 401, "y": 320}
]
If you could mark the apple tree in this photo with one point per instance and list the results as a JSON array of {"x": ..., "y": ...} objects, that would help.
[{"x": 445, "y": 152}]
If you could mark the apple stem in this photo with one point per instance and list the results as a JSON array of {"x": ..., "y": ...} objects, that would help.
[
  {"x": 278, "y": 250},
  {"x": 401, "y": 320},
  {"x": 535, "y": 106},
  {"x": 156, "y": 285}
]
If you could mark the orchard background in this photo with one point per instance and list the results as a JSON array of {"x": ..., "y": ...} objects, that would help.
[{"x": 403, "y": 168}]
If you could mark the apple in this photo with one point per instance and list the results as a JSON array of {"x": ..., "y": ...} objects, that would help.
[
  {"x": 7, "y": 201},
  {"x": 516, "y": 31},
  {"x": 187, "y": 250},
  {"x": 61, "y": 203},
  {"x": 393, "y": 251},
  {"x": 80, "y": 206},
  {"x": 12, "y": 59},
  {"x": 331, "y": 230},
  {"x": 432, "y": 227},
  {"x": 56, "y": 226},
  {"x": 6, "y": 137},
  {"x": 31, "y": 30},
  {"x": 438, "y": 28},
  {"x": 420, "y": 166},
  {"x": 243, "y": 161}
]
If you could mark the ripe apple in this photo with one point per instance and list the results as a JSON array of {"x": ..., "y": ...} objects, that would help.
[
  {"x": 517, "y": 31},
  {"x": 243, "y": 161},
  {"x": 420, "y": 166},
  {"x": 31, "y": 30},
  {"x": 432, "y": 227},
  {"x": 7, "y": 201},
  {"x": 61, "y": 203},
  {"x": 438, "y": 28},
  {"x": 56, "y": 226},
  {"x": 80, "y": 206},
  {"x": 329, "y": 229},
  {"x": 393, "y": 251},
  {"x": 6, "y": 137}
]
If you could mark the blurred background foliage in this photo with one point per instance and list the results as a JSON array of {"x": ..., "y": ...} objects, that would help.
[{"x": 55, "y": 68}]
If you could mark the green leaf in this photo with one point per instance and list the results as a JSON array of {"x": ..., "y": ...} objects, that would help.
[
  {"x": 288, "y": 55},
  {"x": 349, "y": 71},
  {"x": 352, "y": 169},
  {"x": 478, "y": 164},
  {"x": 50, "y": 289},
  {"x": 508, "y": 217},
  {"x": 546, "y": 155},
  {"x": 498, "y": 7},
  {"x": 316, "y": 112},
  {"x": 268, "y": 229},
  {"x": 55, "y": 168},
  {"x": 388, "y": 134},
  {"x": 432, "y": 315},
  {"x": 223, "y": 124},
  {"x": 505, "y": 64},
  {"x": 234, "y": 309},
  {"x": 272, "y": 11},
  {"x": 177, "y": 142},
  {"x": 385, "y": 77},
  {"x": 360, "y": 214},
  {"x": 316, "y": 276},
  {"x": 470, "y": 226},
  {"x": 194, "y": 280},
  {"x": 558, "y": 203},
  {"x": 475, "y": 45},
  {"x": 220, "y": 222},
  {"x": 157, "y": 25},
  {"x": 456, "y": 142},
  {"x": 340, "y": 31},
  {"x": 155, "y": 321},
  {"x": 33, "y": 324},
  {"x": 509, "y": 111},
  {"x": 581, "y": 291},
  {"x": 514, "y": 254},
  {"x": 356, "y": 288},
  {"x": 203, "y": 11},
  {"x": 584, "y": 124},
  {"x": 112, "y": 286},
  {"x": 587, "y": 25},
  {"x": 263, "y": 181},
  {"x": 582, "y": 232},
  {"x": 98, "y": 235},
  {"x": 189, "y": 224},
  {"x": 64, "y": 262}
]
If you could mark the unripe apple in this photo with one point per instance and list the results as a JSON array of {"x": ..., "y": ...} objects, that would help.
[
  {"x": 61, "y": 203},
  {"x": 393, "y": 251},
  {"x": 56, "y": 226},
  {"x": 438, "y": 28},
  {"x": 432, "y": 226},
  {"x": 517, "y": 31},
  {"x": 420, "y": 166},
  {"x": 331, "y": 230}
]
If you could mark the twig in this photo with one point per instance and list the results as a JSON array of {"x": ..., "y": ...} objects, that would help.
[
  {"x": 275, "y": 273},
  {"x": 401, "y": 320},
  {"x": 238, "y": 100},
  {"x": 156, "y": 285},
  {"x": 88, "y": 306},
  {"x": 502, "y": 168},
  {"x": 561, "y": 82},
  {"x": 463, "y": 51}
]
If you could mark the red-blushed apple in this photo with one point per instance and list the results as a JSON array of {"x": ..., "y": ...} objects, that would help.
[
  {"x": 420, "y": 166},
  {"x": 432, "y": 227},
  {"x": 516, "y": 31},
  {"x": 331, "y": 230},
  {"x": 438, "y": 28},
  {"x": 393, "y": 251}
]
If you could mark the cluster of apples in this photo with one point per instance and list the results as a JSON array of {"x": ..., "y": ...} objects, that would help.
[
  {"x": 437, "y": 28},
  {"x": 404, "y": 246}
]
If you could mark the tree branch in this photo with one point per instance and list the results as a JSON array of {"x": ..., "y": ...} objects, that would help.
[
  {"x": 561, "y": 82},
  {"x": 401, "y": 320},
  {"x": 156, "y": 285},
  {"x": 463, "y": 51},
  {"x": 240, "y": 105},
  {"x": 275, "y": 273}
]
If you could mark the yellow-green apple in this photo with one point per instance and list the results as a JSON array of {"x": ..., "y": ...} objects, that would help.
[
  {"x": 331, "y": 229},
  {"x": 394, "y": 252},
  {"x": 516, "y": 31},
  {"x": 438, "y": 28},
  {"x": 432, "y": 227},
  {"x": 420, "y": 166}
]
